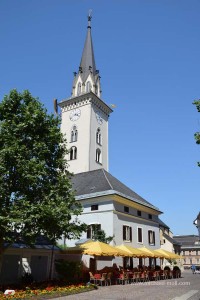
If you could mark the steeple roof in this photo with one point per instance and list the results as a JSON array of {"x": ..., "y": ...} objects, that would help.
[{"x": 87, "y": 65}]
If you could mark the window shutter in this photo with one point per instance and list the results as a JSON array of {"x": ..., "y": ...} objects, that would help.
[
  {"x": 131, "y": 234},
  {"x": 88, "y": 233},
  {"x": 124, "y": 233},
  {"x": 140, "y": 235},
  {"x": 154, "y": 237},
  {"x": 149, "y": 236}
]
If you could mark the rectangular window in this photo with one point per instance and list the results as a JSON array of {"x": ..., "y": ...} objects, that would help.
[
  {"x": 139, "y": 235},
  {"x": 139, "y": 213},
  {"x": 92, "y": 229},
  {"x": 126, "y": 209},
  {"x": 151, "y": 237},
  {"x": 94, "y": 207},
  {"x": 150, "y": 216},
  {"x": 127, "y": 233},
  {"x": 197, "y": 252}
]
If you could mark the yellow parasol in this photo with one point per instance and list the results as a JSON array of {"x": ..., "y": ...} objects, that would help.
[
  {"x": 97, "y": 248},
  {"x": 148, "y": 252},
  {"x": 168, "y": 254},
  {"x": 161, "y": 254},
  {"x": 133, "y": 252}
]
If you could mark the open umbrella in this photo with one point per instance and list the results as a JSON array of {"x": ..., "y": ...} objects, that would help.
[
  {"x": 133, "y": 252},
  {"x": 97, "y": 248},
  {"x": 161, "y": 254},
  {"x": 168, "y": 254},
  {"x": 148, "y": 252}
]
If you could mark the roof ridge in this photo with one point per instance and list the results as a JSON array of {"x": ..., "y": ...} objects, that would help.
[{"x": 107, "y": 179}]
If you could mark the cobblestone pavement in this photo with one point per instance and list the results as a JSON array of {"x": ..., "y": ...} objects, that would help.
[{"x": 187, "y": 287}]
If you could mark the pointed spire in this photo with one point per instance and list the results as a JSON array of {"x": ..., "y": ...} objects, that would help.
[
  {"x": 87, "y": 79},
  {"x": 87, "y": 64}
]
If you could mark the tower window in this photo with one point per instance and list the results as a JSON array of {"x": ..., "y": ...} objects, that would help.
[
  {"x": 96, "y": 90},
  {"x": 88, "y": 87},
  {"x": 74, "y": 134},
  {"x": 73, "y": 153},
  {"x": 98, "y": 156},
  {"x": 139, "y": 235},
  {"x": 94, "y": 207},
  {"x": 79, "y": 89},
  {"x": 98, "y": 136},
  {"x": 151, "y": 237},
  {"x": 126, "y": 209},
  {"x": 92, "y": 230},
  {"x": 127, "y": 233}
]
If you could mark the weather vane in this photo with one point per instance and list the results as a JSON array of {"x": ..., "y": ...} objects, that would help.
[{"x": 89, "y": 17}]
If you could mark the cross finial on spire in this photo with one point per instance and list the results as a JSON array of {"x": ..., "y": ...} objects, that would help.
[{"x": 89, "y": 18}]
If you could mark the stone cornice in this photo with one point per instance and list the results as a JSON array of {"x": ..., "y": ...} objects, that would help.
[{"x": 85, "y": 99}]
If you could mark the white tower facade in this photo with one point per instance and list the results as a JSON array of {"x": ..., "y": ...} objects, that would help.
[
  {"x": 197, "y": 223},
  {"x": 85, "y": 116}
]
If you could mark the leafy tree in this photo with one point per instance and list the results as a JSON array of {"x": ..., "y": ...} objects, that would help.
[
  {"x": 36, "y": 195},
  {"x": 197, "y": 134},
  {"x": 100, "y": 235}
]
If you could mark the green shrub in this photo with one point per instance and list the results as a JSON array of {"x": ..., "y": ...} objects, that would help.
[{"x": 68, "y": 269}]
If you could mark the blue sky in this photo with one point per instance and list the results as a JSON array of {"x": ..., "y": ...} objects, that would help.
[{"x": 147, "y": 52}]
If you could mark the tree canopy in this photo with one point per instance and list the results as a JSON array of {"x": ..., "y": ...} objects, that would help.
[
  {"x": 36, "y": 195},
  {"x": 197, "y": 134}
]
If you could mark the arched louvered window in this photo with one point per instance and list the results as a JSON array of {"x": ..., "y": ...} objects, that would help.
[
  {"x": 98, "y": 155},
  {"x": 96, "y": 90},
  {"x": 73, "y": 153},
  {"x": 79, "y": 89},
  {"x": 98, "y": 136},
  {"x": 74, "y": 134},
  {"x": 88, "y": 86}
]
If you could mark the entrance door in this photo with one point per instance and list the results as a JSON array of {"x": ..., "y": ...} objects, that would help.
[
  {"x": 10, "y": 268},
  {"x": 39, "y": 267},
  {"x": 92, "y": 265}
]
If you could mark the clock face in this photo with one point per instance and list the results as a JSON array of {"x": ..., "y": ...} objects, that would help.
[
  {"x": 99, "y": 118},
  {"x": 75, "y": 114}
]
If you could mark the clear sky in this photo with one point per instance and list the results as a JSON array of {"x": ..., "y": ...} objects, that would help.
[{"x": 147, "y": 52}]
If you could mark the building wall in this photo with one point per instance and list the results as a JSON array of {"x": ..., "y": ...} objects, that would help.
[
  {"x": 18, "y": 261},
  {"x": 111, "y": 216},
  {"x": 191, "y": 256},
  {"x": 104, "y": 136},
  {"x": 121, "y": 219},
  {"x": 81, "y": 164},
  {"x": 103, "y": 216},
  {"x": 87, "y": 125}
]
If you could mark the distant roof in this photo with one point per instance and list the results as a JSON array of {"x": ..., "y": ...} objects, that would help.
[
  {"x": 41, "y": 242},
  {"x": 170, "y": 239},
  {"x": 99, "y": 182},
  {"x": 25, "y": 246},
  {"x": 187, "y": 240}
]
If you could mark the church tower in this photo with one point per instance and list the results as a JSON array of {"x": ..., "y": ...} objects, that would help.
[{"x": 85, "y": 116}]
